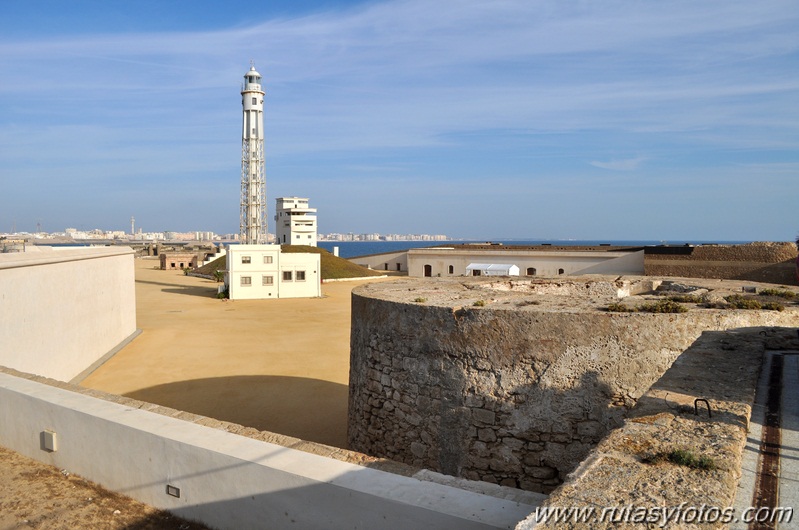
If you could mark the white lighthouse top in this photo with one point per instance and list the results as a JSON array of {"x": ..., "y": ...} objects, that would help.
[{"x": 253, "y": 76}]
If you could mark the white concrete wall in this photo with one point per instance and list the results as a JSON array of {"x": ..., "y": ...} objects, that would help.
[
  {"x": 546, "y": 262},
  {"x": 631, "y": 263},
  {"x": 226, "y": 480},
  {"x": 311, "y": 265},
  {"x": 60, "y": 311}
]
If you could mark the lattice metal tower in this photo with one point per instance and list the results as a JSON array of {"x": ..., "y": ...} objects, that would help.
[{"x": 252, "y": 221}]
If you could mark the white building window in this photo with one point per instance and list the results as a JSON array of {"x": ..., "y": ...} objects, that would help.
[
  {"x": 267, "y": 280},
  {"x": 246, "y": 281},
  {"x": 267, "y": 260},
  {"x": 300, "y": 276},
  {"x": 245, "y": 259},
  {"x": 287, "y": 276}
]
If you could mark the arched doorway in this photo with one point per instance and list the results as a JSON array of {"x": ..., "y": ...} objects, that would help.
[{"x": 428, "y": 270}]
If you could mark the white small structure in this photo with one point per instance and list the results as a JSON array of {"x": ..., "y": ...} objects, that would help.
[
  {"x": 295, "y": 222},
  {"x": 256, "y": 272},
  {"x": 492, "y": 269}
]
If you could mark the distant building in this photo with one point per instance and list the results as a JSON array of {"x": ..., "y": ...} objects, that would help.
[
  {"x": 263, "y": 271},
  {"x": 490, "y": 259},
  {"x": 178, "y": 260},
  {"x": 542, "y": 260},
  {"x": 295, "y": 222}
]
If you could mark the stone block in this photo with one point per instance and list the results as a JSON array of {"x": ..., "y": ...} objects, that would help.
[
  {"x": 484, "y": 416},
  {"x": 486, "y": 435},
  {"x": 591, "y": 429},
  {"x": 542, "y": 472}
]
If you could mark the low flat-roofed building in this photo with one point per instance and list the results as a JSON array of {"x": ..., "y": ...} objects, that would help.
[
  {"x": 542, "y": 260},
  {"x": 178, "y": 260},
  {"x": 257, "y": 272}
]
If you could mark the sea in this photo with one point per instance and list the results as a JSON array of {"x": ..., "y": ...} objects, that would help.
[{"x": 350, "y": 249}]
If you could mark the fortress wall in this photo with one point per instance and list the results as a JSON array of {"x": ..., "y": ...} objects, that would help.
[
  {"x": 720, "y": 367},
  {"x": 386, "y": 261},
  {"x": 62, "y": 310},
  {"x": 514, "y": 397},
  {"x": 759, "y": 262},
  {"x": 229, "y": 480}
]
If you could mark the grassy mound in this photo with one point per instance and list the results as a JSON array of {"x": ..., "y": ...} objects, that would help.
[
  {"x": 333, "y": 268},
  {"x": 219, "y": 264}
]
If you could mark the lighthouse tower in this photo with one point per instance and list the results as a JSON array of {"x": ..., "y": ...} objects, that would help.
[{"x": 252, "y": 220}]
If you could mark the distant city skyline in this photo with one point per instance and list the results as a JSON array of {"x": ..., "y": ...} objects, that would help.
[
  {"x": 488, "y": 120},
  {"x": 205, "y": 235}
]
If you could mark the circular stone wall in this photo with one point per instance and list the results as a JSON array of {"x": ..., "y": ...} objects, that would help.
[{"x": 512, "y": 381}]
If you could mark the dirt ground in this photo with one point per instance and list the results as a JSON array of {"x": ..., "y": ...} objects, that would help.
[
  {"x": 36, "y": 495},
  {"x": 274, "y": 365},
  {"x": 277, "y": 365}
]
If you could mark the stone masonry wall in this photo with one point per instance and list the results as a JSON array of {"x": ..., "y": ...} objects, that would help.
[
  {"x": 514, "y": 397},
  {"x": 760, "y": 262}
]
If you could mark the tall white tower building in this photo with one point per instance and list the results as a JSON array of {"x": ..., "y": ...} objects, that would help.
[
  {"x": 295, "y": 222},
  {"x": 252, "y": 220}
]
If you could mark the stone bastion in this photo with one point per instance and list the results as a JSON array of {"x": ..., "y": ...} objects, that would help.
[{"x": 513, "y": 381}]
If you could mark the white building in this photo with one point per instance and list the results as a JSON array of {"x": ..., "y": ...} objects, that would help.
[
  {"x": 531, "y": 261},
  {"x": 263, "y": 271},
  {"x": 295, "y": 222},
  {"x": 540, "y": 260}
]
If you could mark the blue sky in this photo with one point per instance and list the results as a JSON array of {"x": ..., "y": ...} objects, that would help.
[{"x": 480, "y": 119}]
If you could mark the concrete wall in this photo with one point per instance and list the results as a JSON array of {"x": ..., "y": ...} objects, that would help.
[
  {"x": 311, "y": 264},
  {"x": 386, "y": 261},
  {"x": 759, "y": 262},
  {"x": 227, "y": 480},
  {"x": 515, "y": 396},
  {"x": 546, "y": 262},
  {"x": 60, "y": 311}
]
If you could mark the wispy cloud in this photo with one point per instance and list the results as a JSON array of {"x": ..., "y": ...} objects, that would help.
[
  {"x": 628, "y": 164},
  {"x": 520, "y": 89}
]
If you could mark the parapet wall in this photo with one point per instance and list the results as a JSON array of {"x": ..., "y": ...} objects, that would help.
[
  {"x": 63, "y": 310},
  {"x": 517, "y": 389},
  {"x": 232, "y": 477},
  {"x": 759, "y": 262}
]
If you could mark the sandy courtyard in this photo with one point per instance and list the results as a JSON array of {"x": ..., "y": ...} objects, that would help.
[{"x": 274, "y": 365}]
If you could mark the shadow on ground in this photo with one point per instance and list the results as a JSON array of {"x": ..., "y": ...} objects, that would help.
[
  {"x": 208, "y": 289},
  {"x": 309, "y": 409}
]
